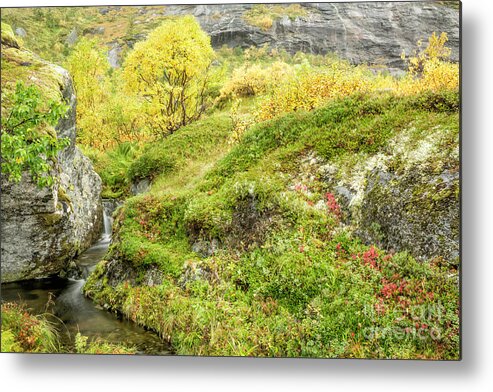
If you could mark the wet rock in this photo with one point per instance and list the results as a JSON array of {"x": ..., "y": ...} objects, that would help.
[{"x": 72, "y": 271}]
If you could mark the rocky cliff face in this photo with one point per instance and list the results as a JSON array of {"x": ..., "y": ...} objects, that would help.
[
  {"x": 43, "y": 229},
  {"x": 373, "y": 32}
]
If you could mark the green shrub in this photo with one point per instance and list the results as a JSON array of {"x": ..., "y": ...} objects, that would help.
[
  {"x": 29, "y": 141},
  {"x": 99, "y": 346},
  {"x": 112, "y": 166},
  {"x": 150, "y": 164}
]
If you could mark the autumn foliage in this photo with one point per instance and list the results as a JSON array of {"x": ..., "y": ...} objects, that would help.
[
  {"x": 311, "y": 87},
  {"x": 169, "y": 74}
]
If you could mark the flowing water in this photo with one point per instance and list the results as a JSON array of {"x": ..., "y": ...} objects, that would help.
[{"x": 64, "y": 298}]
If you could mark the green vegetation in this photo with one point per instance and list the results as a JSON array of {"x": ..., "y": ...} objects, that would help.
[
  {"x": 29, "y": 141},
  {"x": 48, "y": 28},
  {"x": 23, "y": 332},
  {"x": 99, "y": 346},
  {"x": 287, "y": 278}
]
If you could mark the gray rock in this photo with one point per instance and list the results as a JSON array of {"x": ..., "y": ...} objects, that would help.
[
  {"x": 72, "y": 38},
  {"x": 94, "y": 30},
  {"x": 114, "y": 55},
  {"x": 42, "y": 230},
  {"x": 206, "y": 248},
  {"x": 118, "y": 270},
  {"x": 19, "y": 31},
  {"x": 194, "y": 271},
  {"x": 412, "y": 211},
  {"x": 406, "y": 199},
  {"x": 142, "y": 186},
  {"x": 374, "y": 33}
]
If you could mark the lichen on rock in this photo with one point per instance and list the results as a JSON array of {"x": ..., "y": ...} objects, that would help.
[{"x": 406, "y": 198}]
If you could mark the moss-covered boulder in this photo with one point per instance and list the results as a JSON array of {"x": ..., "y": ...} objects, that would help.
[
  {"x": 407, "y": 196},
  {"x": 43, "y": 229}
]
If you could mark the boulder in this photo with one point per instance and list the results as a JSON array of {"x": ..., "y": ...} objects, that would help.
[
  {"x": 72, "y": 38},
  {"x": 406, "y": 199},
  {"x": 114, "y": 55},
  {"x": 42, "y": 230}
]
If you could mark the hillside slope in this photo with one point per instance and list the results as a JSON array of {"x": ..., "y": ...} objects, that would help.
[{"x": 281, "y": 247}]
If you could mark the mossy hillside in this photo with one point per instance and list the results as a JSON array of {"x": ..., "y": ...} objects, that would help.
[
  {"x": 407, "y": 195},
  {"x": 199, "y": 140},
  {"x": 294, "y": 280}
]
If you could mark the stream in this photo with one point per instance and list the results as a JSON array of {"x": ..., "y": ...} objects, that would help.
[{"x": 76, "y": 313}]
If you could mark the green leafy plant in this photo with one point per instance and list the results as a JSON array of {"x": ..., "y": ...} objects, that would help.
[{"x": 29, "y": 141}]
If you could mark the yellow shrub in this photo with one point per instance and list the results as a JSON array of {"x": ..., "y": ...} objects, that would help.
[
  {"x": 265, "y": 22},
  {"x": 311, "y": 88},
  {"x": 240, "y": 121},
  {"x": 429, "y": 69},
  {"x": 436, "y": 75},
  {"x": 255, "y": 79}
]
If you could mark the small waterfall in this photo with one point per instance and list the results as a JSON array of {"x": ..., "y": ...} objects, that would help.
[
  {"x": 109, "y": 206},
  {"x": 108, "y": 222}
]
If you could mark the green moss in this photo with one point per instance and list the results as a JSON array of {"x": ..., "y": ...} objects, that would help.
[
  {"x": 9, "y": 345},
  {"x": 200, "y": 139},
  {"x": 19, "y": 64},
  {"x": 51, "y": 219},
  {"x": 8, "y": 37},
  {"x": 62, "y": 195}
]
